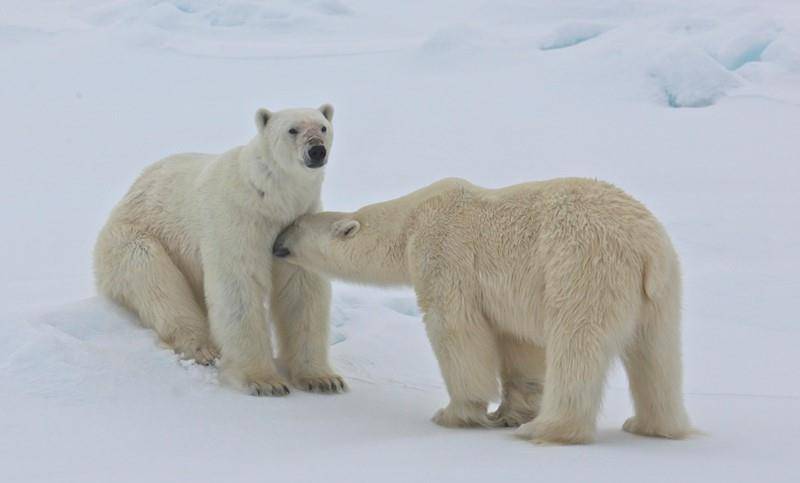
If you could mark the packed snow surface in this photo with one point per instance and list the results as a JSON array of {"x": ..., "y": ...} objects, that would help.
[{"x": 692, "y": 106}]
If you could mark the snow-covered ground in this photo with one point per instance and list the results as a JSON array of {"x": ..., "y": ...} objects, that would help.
[{"x": 692, "y": 106}]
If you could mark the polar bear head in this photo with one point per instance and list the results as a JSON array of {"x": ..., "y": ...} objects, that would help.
[
  {"x": 315, "y": 236},
  {"x": 361, "y": 247},
  {"x": 370, "y": 245},
  {"x": 296, "y": 138}
]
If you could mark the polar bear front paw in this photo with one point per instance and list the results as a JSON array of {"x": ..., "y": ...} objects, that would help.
[
  {"x": 204, "y": 353},
  {"x": 269, "y": 387},
  {"x": 462, "y": 415},
  {"x": 327, "y": 384}
]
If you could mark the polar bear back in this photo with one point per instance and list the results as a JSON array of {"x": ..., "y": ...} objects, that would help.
[
  {"x": 164, "y": 202},
  {"x": 527, "y": 245},
  {"x": 163, "y": 194}
]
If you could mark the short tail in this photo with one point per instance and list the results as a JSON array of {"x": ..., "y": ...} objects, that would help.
[{"x": 661, "y": 272}]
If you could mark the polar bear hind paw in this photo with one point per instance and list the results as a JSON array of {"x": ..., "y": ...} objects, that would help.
[
  {"x": 634, "y": 426},
  {"x": 555, "y": 432},
  {"x": 508, "y": 418}
]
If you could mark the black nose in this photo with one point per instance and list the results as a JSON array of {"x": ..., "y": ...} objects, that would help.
[
  {"x": 278, "y": 249},
  {"x": 317, "y": 153}
]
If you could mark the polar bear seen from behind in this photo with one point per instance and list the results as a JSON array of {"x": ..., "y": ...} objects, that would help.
[
  {"x": 184, "y": 249},
  {"x": 540, "y": 284}
]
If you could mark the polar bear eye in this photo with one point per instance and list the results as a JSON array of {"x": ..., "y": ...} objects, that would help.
[
  {"x": 324, "y": 129},
  {"x": 292, "y": 131}
]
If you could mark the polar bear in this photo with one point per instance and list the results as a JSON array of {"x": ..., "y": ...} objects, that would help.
[
  {"x": 184, "y": 249},
  {"x": 541, "y": 284}
]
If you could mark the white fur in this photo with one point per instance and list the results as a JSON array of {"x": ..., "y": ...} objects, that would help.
[
  {"x": 187, "y": 246},
  {"x": 541, "y": 284}
]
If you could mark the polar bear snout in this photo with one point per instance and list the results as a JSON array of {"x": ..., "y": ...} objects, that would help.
[
  {"x": 280, "y": 251},
  {"x": 316, "y": 156},
  {"x": 278, "y": 248}
]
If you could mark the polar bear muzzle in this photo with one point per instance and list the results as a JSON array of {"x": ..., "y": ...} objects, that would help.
[
  {"x": 278, "y": 248},
  {"x": 316, "y": 156}
]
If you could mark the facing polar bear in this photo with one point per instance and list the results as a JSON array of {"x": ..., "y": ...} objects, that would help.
[
  {"x": 184, "y": 249},
  {"x": 541, "y": 283}
]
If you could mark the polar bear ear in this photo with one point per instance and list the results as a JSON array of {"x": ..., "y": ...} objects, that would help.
[
  {"x": 327, "y": 111},
  {"x": 262, "y": 116},
  {"x": 345, "y": 228}
]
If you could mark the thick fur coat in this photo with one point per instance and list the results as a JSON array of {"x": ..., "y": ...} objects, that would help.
[
  {"x": 187, "y": 250},
  {"x": 540, "y": 285}
]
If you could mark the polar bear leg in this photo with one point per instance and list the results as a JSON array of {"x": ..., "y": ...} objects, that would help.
[
  {"x": 522, "y": 374},
  {"x": 134, "y": 268},
  {"x": 300, "y": 311},
  {"x": 653, "y": 363},
  {"x": 239, "y": 324},
  {"x": 586, "y": 332},
  {"x": 467, "y": 353},
  {"x": 577, "y": 362}
]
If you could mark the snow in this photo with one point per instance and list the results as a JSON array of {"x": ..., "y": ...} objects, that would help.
[
  {"x": 692, "y": 106},
  {"x": 572, "y": 33},
  {"x": 692, "y": 78}
]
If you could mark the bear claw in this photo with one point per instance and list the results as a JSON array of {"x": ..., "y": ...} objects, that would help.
[
  {"x": 204, "y": 354},
  {"x": 324, "y": 384},
  {"x": 269, "y": 389},
  {"x": 506, "y": 418}
]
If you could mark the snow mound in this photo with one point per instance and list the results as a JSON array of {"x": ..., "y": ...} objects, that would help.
[
  {"x": 783, "y": 51},
  {"x": 97, "y": 343},
  {"x": 689, "y": 77},
  {"x": 216, "y": 14},
  {"x": 740, "y": 43},
  {"x": 231, "y": 28},
  {"x": 458, "y": 41},
  {"x": 95, "y": 350},
  {"x": 744, "y": 49},
  {"x": 572, "y": 33},
  {"x": 93, "y": 344},
  {"x": 403, "y": 305}
]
